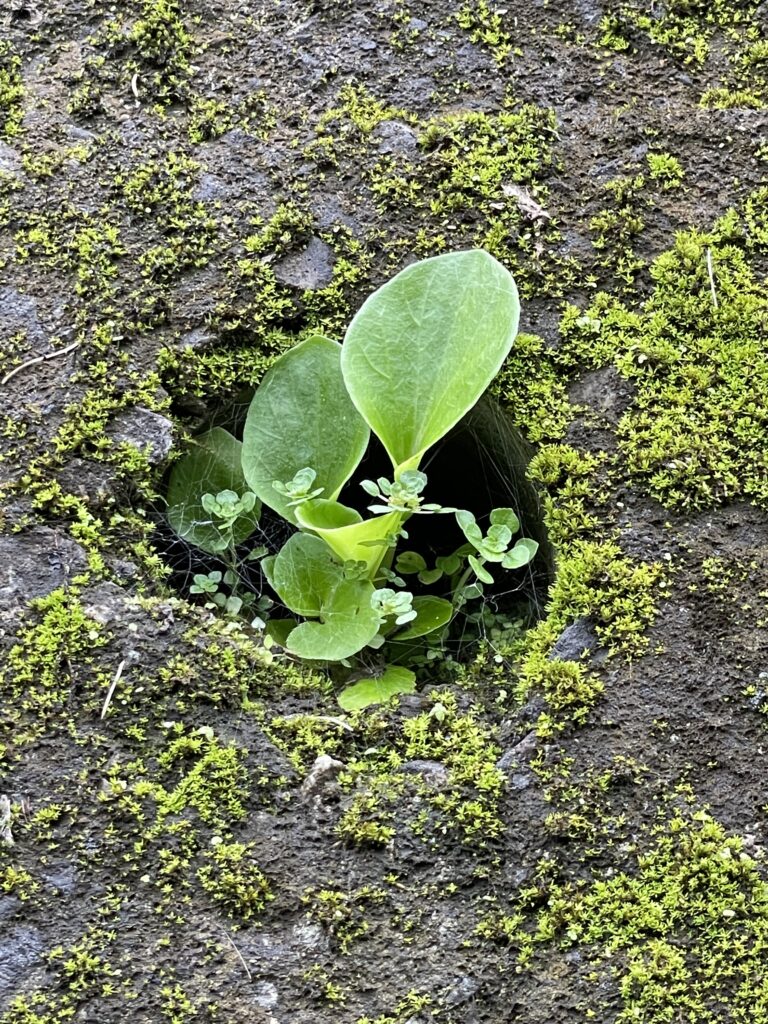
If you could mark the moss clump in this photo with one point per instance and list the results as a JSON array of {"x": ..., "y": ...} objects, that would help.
[
  {"x": 572, "y": 490},
  {"x": 11, "y": 92},
  {"x": 684, "y": 936},
  {"x": 49, "y": 657},
  {"x": 165, "y": 47},
  {"x": 162, "y": 190},
  {"x": 486, "y": 27},
  {"x": 687, "y": 30},
  {"x": 232, "y": 879},
  {"x": 345, "y": 128},
  {"x": 408, "y": 1009},
  {"x": 598, "y": 582},
  {"x": 465, "y": 745},
  {"x": 342, "y": 913},
  {"x": 220, "y": 371},
  {"x": 470, "y": 161},
  {"x": 696, "y": 433},
  {"x": 479, "y": 177},
  {"x": 17, "y": 882},
  {"x": 616, "y": 227},
  {"x": 535, "y": 390},
  {"x": 82, "y": 973},
  {"x": 215, "y": 785}
]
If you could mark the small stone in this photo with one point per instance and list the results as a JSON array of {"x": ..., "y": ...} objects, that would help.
[
  {"x": 464, "y": 989},
  {"x": 265, "y": 995},
  {"x": 145, "y": 430},
  {"x": 18, "y": 313},
  {"x": 309, "y": 269},
  {"x": 197, "y": 338},
  {"x": 19, "y": 952},
  {"x": 322, "y": 777},
  {"x": 92, "y": 481},
  {"x": 35, "y": 563},
  {"x": 518, "y": 754},
  {"x": 573, "y": 641},
  {"x": 434, "y": 773},
  {"x": 394, "y": 137},
  {"x": 10, "y": 159},
  {"x": 105, "y": 603}
]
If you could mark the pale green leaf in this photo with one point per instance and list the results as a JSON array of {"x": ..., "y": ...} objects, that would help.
[
  {"x": 425, "y": 346},
  {"x": 348, "y": 624},
  {"x": 366, "y": 540},
  {"x": 378, "y": 689},
  {"x": 302, "y": 417},
  {"x": 431, "y": 613},
  {"x": 304, "y": 574},
  {"x": 521, "y": 554},
  {"x": 505, "y": 517},
  {"x": 482, "y": 573}
]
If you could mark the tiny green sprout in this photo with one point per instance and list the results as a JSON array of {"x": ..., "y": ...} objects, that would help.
[
  {"x": 228, "y": 506},
  {"x": 401, "y": 495},
  {"x": 299, "y": 489},
  {"x": 393, "y": 604},
  {"x": 206, "y": 584}
]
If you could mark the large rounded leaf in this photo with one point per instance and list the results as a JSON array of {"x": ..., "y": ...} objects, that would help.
[
  {"x": 348, "y": 623},
  {"x": 426, "y": 345},
  {"x": 211, "y": 465},
  {"x": 302, "y": 417},
  {"x": 304, "y": 573}
]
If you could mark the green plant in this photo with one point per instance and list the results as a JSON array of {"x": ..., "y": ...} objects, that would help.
[{"x": 417, "y": 356}]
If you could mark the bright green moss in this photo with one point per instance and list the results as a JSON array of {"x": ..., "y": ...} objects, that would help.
[
  {"x": 231, "y": 877},
  {"x": 17, "y": 882},
  {"x": 685, "y": 935},
  {"x": 369, "y": 818},
  {"x": 756, "y": 218},
  {"x": 342, "y": 913},
  {"x": 38, "y": 675},
  {"x": 11, "y": 92},
  {"x": 572, "y": 491},
  {"x": 486, "y": 27},
  {"x": 344, "y": 129},
  {"x": 219, "y": 372},
  {"x": 665, "y": 169},
  {"x": 695, "y": 434},
  {"x": 162, "y": 190},
  {"x": 408, "y": 1009},
  {"x": 465, "y": 745},
  {"x": 165, "y": 47},
  {"x": 81, "y": 973},
  {"x": 304, "y": 738},
  {"x": 598, "y": 582},
  {"x": 478, "y": 176},
  {"x": 215, "y": 785},
  {"x": 534, "y": 390},
  {"x": 687, "y": 29}
]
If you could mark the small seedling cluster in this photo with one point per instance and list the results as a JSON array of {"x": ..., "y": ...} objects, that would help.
[{"x": 419, "y": 354}]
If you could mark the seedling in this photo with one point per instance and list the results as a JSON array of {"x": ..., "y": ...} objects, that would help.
[{"x": 418, "y": 355}]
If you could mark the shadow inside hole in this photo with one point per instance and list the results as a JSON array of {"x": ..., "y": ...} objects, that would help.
[{"x": 480, "y": 465}]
